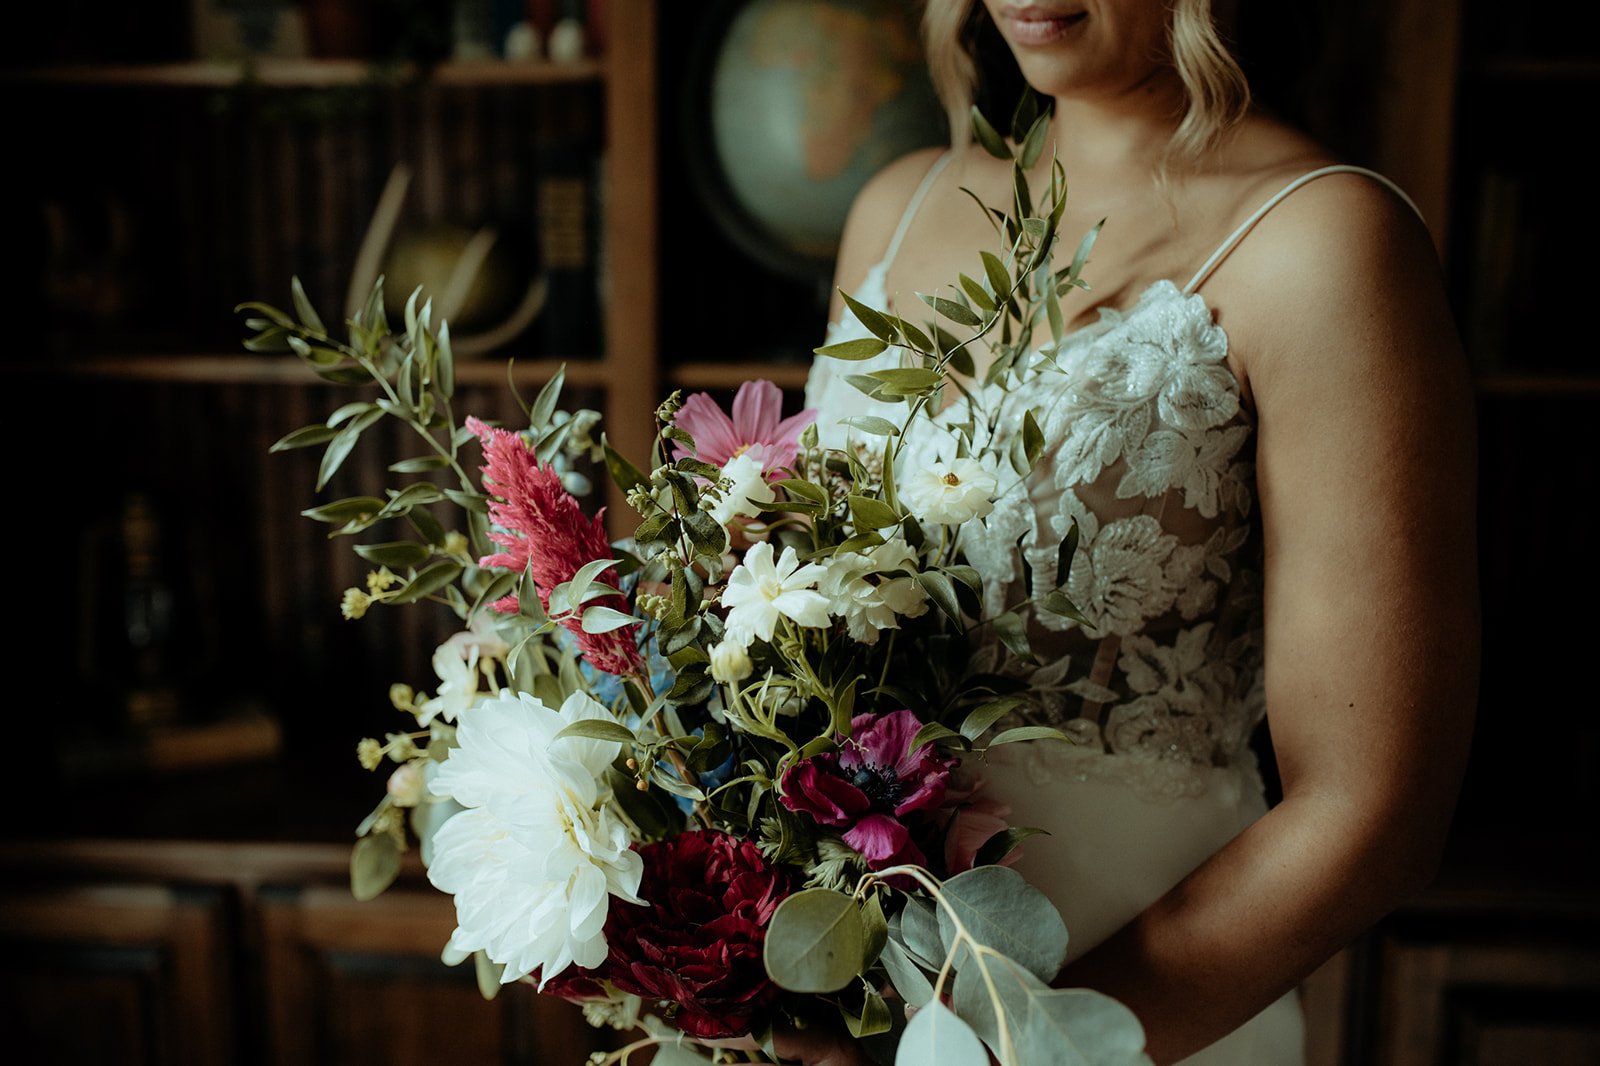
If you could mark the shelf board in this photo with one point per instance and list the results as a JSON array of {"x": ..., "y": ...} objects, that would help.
[
  {"x": 311, "y": 73},
  {"x": 1535, "y": 70},
  {"x": 732, "y": 375},
  {"x": 1548, "y": 385},
  {"x": 213, "y": 369}
]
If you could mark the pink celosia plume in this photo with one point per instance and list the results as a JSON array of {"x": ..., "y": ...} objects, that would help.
[
  {"x": 543, "y": 531},
  {"x": 757, "y": 426}
]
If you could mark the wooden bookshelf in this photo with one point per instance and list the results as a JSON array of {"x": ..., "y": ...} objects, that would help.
[{"x": 309, "y": 74}]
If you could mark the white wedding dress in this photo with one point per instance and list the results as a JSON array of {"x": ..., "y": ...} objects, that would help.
[{"x": 1148, "y": 449}]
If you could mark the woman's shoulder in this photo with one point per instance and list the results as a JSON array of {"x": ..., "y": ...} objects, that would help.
[
  {"x": 876, "y": 212},
  {"x": 1326, "y": 227},
  {"x": 1340, "y": 254}
]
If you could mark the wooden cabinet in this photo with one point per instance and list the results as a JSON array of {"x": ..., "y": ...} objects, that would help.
[
  {"x": 189, "y": 954},
  {"x": 135, "y": 974}
]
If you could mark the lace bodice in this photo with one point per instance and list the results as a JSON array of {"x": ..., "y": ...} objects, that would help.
[{"x": 1149, "y": 449}]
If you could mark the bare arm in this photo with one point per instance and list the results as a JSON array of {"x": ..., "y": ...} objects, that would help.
[{"x": 1366, "y": 488}]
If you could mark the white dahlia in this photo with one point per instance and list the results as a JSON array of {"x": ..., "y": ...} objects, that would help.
[{"x": 537, "y": 854}]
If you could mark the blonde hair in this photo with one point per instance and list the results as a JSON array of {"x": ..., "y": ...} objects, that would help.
[{"x": 1214, "y": 85}]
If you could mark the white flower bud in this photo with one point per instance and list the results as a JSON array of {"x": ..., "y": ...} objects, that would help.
[
  {"x": 407, "y": 785},
  {"x": 730, "y": 662}
]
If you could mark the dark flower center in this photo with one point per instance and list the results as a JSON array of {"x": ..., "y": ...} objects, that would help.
[{"x": 880, "y": 783}]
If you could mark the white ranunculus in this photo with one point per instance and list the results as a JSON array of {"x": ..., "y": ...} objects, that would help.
[
  {"x": 948, "y": 494},
  {"x": 747, "y": 481},
  {"x": 730, "y": 662},
  {"x": 858, "y": 591},
  {"x": 762, "y": 590},
  {"x": 537, "y": 854}
]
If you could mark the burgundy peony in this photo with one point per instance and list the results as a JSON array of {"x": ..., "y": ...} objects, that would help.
[
  {"x": 698, "y": 943},
  {"x": 870, "y": 785}
]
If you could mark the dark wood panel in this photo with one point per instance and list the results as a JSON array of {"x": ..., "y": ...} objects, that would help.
[
  {"x": 358, "y": 983},
  {"x": 117, "y": 976}
]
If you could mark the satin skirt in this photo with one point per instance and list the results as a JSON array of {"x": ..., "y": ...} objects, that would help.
[{"x": 1112, "y": 851}]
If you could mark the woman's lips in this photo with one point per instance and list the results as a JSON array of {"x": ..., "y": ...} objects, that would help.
[{"x": 1034, "y": 25}]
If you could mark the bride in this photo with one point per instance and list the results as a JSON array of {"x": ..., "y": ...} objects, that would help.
[{"x": 1271, "y": 469}]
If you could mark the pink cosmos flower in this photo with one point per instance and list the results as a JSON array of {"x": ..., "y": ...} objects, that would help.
[
  {"x": 544, "y": 531},
  {"x": 757, "y": 427},
  {"x": 871, "y": 785}
]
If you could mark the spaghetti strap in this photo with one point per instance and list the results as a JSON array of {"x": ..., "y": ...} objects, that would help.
[
  {"x": 911, "y": 208},
  {"x": 1239, "y": 234}
]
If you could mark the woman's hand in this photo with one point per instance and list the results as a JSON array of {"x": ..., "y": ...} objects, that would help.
[
  {"x": 818, "y": 1045},
  {"x": 815, "y": 1045}
]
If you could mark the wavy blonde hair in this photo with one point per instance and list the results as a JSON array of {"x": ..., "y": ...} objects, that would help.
[{"x": 954, "y": 37}]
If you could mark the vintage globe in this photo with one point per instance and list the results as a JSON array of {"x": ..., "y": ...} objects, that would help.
[{"x": 808, "y": 99}]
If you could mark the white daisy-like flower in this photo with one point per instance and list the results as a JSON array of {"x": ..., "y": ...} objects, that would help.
[
  {"x": 762, "y": 590},
  {"x": 537, "y": 854},
  {"x": 747, "y": 481},
  {"x": 948, "y": 494},
  {"x": 858, "y": 591}
]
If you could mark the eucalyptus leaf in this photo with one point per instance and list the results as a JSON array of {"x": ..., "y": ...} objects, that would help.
[
  {"x": 936, "y": 1035},
  {"x": 875, "y": 1017},
  {"x": 816, "y": 942},
  {"x": 919, "y": 928},
  {"x": 909, "y": 981},
  {"x": 998, "y": 908}
]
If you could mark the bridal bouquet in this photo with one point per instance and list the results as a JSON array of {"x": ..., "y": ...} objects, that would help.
[{"x": 726, "y": 772}]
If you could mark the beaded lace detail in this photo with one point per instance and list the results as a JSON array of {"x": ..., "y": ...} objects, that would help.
[{"x": 1149, "y": 450}]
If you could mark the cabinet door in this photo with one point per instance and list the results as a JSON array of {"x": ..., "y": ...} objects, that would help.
[
  {"x": 1506, "y": 991},
  {"x": 355, "y": 983},
  {"x": 112, "y": 975}
]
